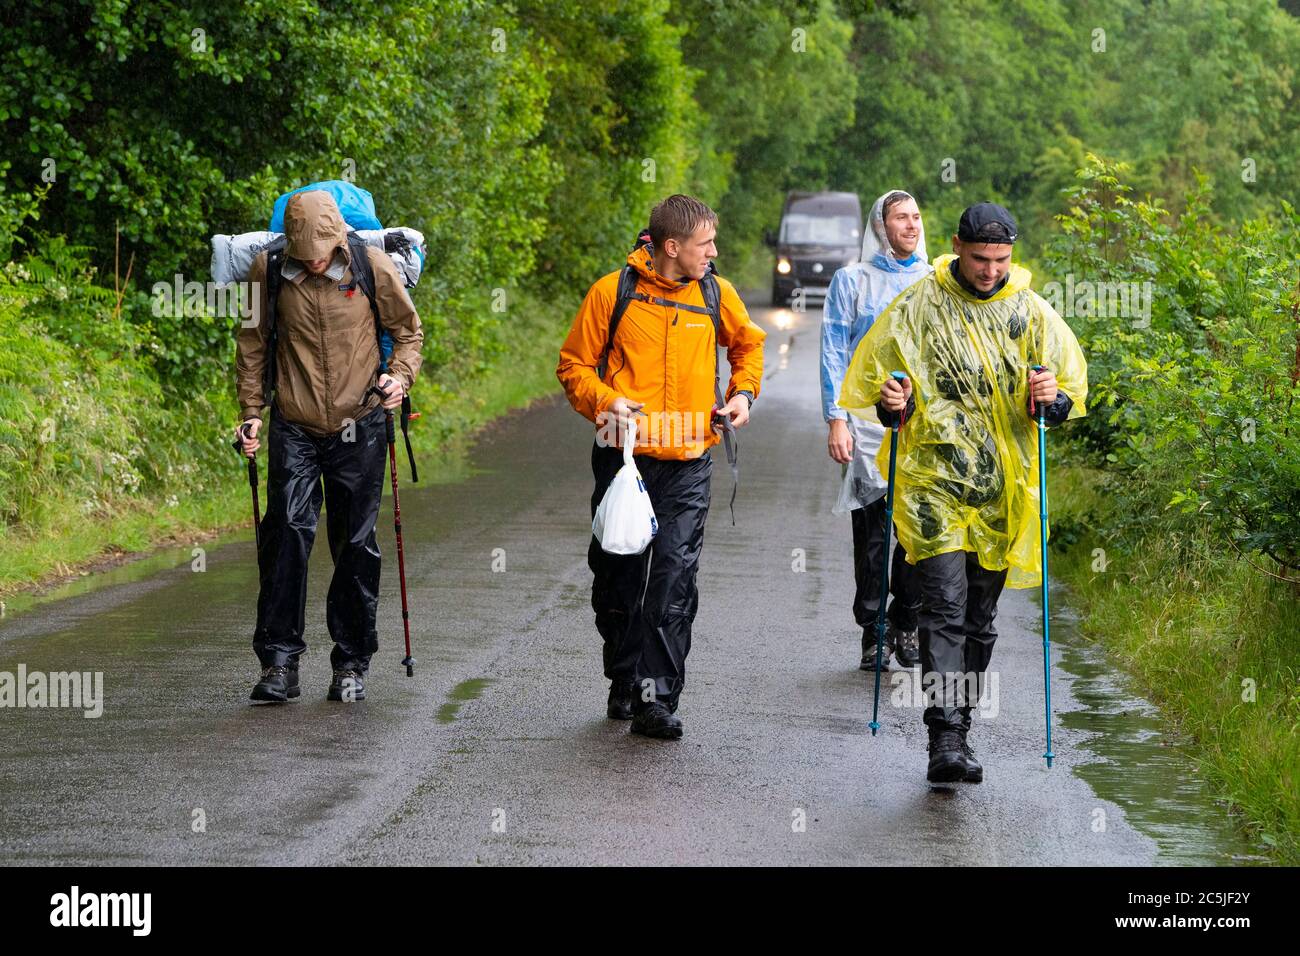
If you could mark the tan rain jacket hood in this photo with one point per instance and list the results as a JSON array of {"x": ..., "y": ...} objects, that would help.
[{"x": 313, "y": 226}]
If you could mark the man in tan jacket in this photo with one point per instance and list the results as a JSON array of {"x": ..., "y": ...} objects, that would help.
[{"x": 313, "y": 358}]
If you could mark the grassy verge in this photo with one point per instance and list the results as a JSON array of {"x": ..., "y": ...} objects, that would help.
[
  {"x": 1214, "y": 642},
  {"x": 61, "y": 535}
]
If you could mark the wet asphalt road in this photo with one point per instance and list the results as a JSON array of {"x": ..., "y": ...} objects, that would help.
[{"x": 497, "y": 751}]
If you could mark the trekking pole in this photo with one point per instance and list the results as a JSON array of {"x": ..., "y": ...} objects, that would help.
[
  {"x": 237, "y": 444},
  {"x": 884, "y": 569},
  {"x": 1036, "y": 410},
  {"x": 409, "y": 662}
]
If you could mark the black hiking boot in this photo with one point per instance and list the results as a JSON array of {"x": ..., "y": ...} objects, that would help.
[
  {"x": 869, "y": 651},
  {"x": 276, "y": 685},
  {"x": 347, "y": 685},
  {"x": 974, "y": 772},
  {"x": 974, "y": 769},
  {"x": 620, "y": 700},
  {"x": 907, "y": 647},
  {"x": 947, "y": 760},
  {"x": 658, "y": 721}
]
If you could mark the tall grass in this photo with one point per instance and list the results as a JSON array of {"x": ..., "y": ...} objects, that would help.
[{"x": 1213, "y": 641}]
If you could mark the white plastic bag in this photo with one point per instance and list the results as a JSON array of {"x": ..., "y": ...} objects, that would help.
[
  {"x": 625, "y": 521},
  {"x": 863, "y": 483}
]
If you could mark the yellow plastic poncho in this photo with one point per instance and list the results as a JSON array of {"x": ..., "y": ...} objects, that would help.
[{"x": 967, "y": 469}]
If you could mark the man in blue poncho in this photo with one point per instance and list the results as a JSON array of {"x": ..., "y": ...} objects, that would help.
[{"x": 893, "y": 257}]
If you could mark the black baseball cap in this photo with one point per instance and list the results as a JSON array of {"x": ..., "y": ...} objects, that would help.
[{"x": 988, "y": 222}]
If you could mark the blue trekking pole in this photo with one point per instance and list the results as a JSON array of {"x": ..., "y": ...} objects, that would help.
[
  {"x": 1037, "y": 411},
  {"x": 884, "y": 570}
]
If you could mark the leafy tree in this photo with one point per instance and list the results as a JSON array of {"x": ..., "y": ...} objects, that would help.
[
  {"x": 1193, "y": 406},
  {"x": 775, "y": 87}
]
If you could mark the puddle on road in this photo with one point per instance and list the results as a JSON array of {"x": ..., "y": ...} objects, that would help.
[
  {"x": 467, "y": 690},
  {"x": 451, "y": 464},
  {"x": 1140, "y": 765},
  {"x": 135, "y": 569}
]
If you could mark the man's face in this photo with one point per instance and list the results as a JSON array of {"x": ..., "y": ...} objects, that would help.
[
  {"x": 692, "y": 255},
  {"x": 318, "y": 266},
  {"x": 903, "y": 227},
  {"x": 982, "y": 264}
]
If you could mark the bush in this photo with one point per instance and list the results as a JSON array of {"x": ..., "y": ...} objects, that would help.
[
  {"x": 176, "y": 120},
  {"x": 1194, "y": 402}
]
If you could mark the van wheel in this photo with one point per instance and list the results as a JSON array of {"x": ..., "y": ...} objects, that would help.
[{"x": 779, "y": 299}]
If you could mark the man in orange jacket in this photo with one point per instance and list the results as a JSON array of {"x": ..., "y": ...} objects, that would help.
[{"x": 660, "y": 368}]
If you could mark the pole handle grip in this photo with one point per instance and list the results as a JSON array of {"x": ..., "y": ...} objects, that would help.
[
  {"x": 238, "y": 443},
  {"x": 1034, "y": 410},
  {"x": 898, "y": 376}
]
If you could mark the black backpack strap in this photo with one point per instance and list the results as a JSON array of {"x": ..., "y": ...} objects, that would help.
[
  {"x": 626, "y": 293},
  {"x": 274, "y": 278},
  {"x": 406, "y": 435},
  {"x": 713, "y": 302},
  {"x": 363, "y": 277}
]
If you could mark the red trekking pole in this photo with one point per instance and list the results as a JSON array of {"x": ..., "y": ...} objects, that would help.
[{"x": 409, "y": 662}]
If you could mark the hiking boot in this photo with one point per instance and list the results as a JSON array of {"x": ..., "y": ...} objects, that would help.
[
  {"x": 947, "y": 760},
  {"x": 347, "y": 685},
  {"x": 276, "y": 685},
  {"x": 907, "y": 646},
  {"x": 656, "y": 720},
  {"x": 869, "y": 651},
  {"x": 620, "y": 700},
  {"x": 974, "y": 770}
]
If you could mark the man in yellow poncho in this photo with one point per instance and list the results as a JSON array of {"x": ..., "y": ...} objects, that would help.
[{"x": 966, "y": 497}]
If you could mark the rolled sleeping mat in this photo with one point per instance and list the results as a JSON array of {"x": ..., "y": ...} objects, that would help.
[{"x": 232, "y": 256}]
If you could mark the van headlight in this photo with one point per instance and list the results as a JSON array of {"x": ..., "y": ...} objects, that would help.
[{"x": 783, "y": 266}]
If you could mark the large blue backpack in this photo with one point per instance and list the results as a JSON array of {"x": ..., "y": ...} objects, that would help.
[{"x": 357, "y": 207}]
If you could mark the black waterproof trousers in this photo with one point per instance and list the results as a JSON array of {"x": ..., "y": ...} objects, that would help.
[
  {"x": 350, "y": 464},
  {"x": 959, "y": 600},
  {"x": 645, "y": 603},
  {"x": 868, "y": 554}
]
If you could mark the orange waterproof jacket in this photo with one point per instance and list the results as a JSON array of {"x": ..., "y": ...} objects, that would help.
[{"x": 662, "y": 356}]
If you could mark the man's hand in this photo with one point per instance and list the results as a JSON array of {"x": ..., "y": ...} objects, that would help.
[
  {"x": 624, "y": 411},
  {"x": 249, "y": 443},
  {"x": 393, "y": 391},
  {"x": 736, "y": 410},
  {"x": 894, "y": 394},
  {"x": 840, "y": 442},
  {"x": 1042, "y": 386}
]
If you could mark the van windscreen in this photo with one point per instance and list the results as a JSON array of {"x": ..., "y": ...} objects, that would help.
[{"x": 799, "y": 228}]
